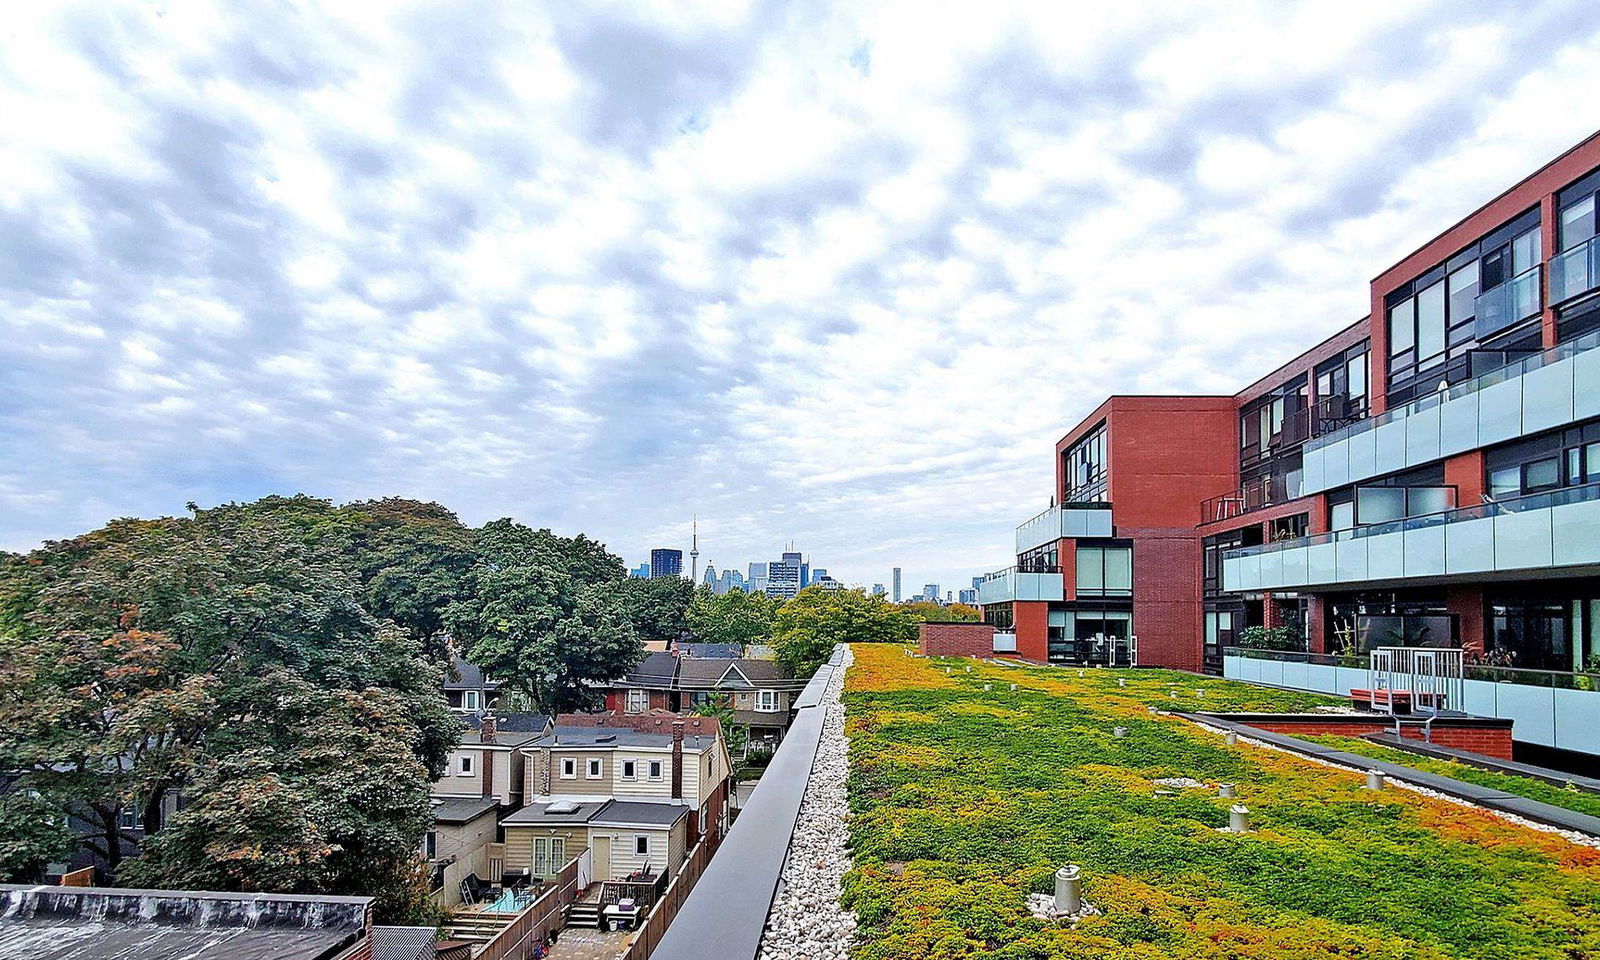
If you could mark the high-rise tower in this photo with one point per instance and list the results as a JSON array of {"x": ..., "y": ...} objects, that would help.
[{"x": 694, "y": 549}]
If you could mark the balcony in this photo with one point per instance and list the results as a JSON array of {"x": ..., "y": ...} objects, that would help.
[
  {"x": 1010, "y": 584},
  {"x": 1556, "y": 530},
  {"x": 1548, "y": 389},
  {"x": 1068, "y": 520},
  {"x": 1575, "y": 272},
  {"x": 1268, "y": 491},
  {"x": 1506, "y": 305}
]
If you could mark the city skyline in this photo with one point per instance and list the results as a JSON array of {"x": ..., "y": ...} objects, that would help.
[{"x": 290, "y": 262}]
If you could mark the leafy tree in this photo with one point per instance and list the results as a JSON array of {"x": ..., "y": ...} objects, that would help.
[
  {"x": 32, "y": 835},
  {"x": 734, "y": 617},
  {"x": 544, "y": 614},
  {"x": 153, "y": 654},
  {"x": 808, "y": 626},
  {"x": 928, "y": 612},
  {"x": 657, "y": 607},
  {"x": 720, "y": 705},
  {"x": 413, "y": 559}
]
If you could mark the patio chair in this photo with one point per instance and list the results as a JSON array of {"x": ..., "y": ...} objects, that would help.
[{"x": 475, "y": 890}]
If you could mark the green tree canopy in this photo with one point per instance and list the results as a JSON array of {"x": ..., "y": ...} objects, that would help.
[
  {"x": 928, "y": 612},
  {"x": 149, "y": 654},
  {"x": 733, "y": 617},
  {"x": 658, "y": 607},
  {"x": 808, "y": 626},
  {"x": 545, "y": 614}
]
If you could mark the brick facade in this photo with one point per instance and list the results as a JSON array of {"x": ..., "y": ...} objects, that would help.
[
  {"x": 956, "y": 640},
  {"x": 1491, "y": 738}
]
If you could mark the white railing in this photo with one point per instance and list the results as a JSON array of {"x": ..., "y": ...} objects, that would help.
[{"x": 1428, "y": 679}]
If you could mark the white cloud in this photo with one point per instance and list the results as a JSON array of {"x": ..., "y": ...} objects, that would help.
[{"x": 839, "y": 274}]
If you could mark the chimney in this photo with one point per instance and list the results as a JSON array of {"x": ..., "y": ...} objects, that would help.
[
  {"x": 488, "y": 727},
  {"x": 677, "y": 759}
]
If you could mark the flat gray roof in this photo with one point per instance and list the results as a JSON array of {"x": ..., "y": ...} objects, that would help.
[
  {"x": 93, "y": 923},
  {"x": 538, "y": 814},
  {"x": 630, "y": 813},
  {"x": 462, "y": 809}
]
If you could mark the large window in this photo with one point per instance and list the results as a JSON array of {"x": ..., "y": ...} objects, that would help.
[
  {"x": 1274, "y": 423},
  {"x": 1091, "y": 636},
  {"x": 1575, "y": 268},
  {"x": 1440, "y": 320},
  {"x": 1105, "y": 571},
  {"x": 1561, "y": 458},
  {"x": 638, "y": 701},
  {"x": 1342, "y": 389},
  {"x": 1085, "y": 477}
]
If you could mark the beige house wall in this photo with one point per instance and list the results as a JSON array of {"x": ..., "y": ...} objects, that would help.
[
  {"x": 458, "y": 841},
  {"x": 519, "y": 843}
]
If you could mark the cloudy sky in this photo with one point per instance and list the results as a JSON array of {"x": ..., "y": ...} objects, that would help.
[{"x": 837, "y": 274}]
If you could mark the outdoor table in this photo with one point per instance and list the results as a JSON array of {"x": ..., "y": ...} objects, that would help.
[{"x": 619, "y": 915}]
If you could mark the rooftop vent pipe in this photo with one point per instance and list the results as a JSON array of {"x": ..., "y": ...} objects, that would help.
[
  {"x": 1119, "y": 732},
  {"x": 1230, "y": 738},
  {"x": 1374, "y": 780},
  {"x": 1226, "y": 791},
  {"x": 1069, "y": 898},
  {"x": 1239, "y": 818}
]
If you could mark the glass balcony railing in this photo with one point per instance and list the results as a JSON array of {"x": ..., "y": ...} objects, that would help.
[
  {"x": 1557, "y": 679},
  {"x": 1507, "y": 305},
  {"x": 1477, "y": 511},
  {"x": 1575, "y": 272},
  {"x": 1269, "y": 491},
  {"x": 1510, "y": 371}
]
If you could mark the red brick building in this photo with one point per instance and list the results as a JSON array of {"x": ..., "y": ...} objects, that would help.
[{"x": 1429, "y": 474}]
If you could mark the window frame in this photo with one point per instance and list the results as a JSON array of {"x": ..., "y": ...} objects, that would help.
[
  {"x": 638, "y": 701},
  {"x": 641, "y": 845},
  {"x": 629, "y": 769},
  {"x": 766, "y": 701},
  {"x": 654, "y": 769},
  {"x": 594, "y": 768},
  {"x": 569, "y": 768},
  {"x": 464, "y": 765}
]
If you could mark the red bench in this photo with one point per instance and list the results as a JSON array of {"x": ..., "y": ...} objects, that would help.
[{"x": 1396, "y": 699}]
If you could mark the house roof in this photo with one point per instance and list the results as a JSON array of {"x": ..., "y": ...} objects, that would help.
[
  {"x": 77, "y": 923},
  {"x": 632, "y": 813},
  {"x": 710, "y": 651},
  {"x": 462, "y": 809},
  {"x": 656, "y": 670},
  {"x": 403, "y": 943},
  {"x": 601, "y": 731},
  {"x": 540, "y": 814},
  {"x": 467, "y": 676},
  {"x": 729, "y": 674},
  {"x": 512, "y": 721},
  {"x": 603, "y": 738},
  {"x": 609, "y": 813}
]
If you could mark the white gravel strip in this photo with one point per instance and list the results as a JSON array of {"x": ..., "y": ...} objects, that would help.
[
  {"x": 807, "y": 922},
  {"x": 1581, "y": 839}
]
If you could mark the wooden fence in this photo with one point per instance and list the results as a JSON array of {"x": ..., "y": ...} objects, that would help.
[
  {"x": 655, "y": 923},
  {"x": 78, "y": 878},
  {"x": 534, "y": 924}
]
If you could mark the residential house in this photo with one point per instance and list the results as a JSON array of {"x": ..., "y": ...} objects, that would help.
[
  {"x": 639, "y": 791},
  {"x": 759, "y": 692},
  {"x": 488, "y": 760},
  {"x": 648, "y": 686},
  {"x": 467, "y": 689}
]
